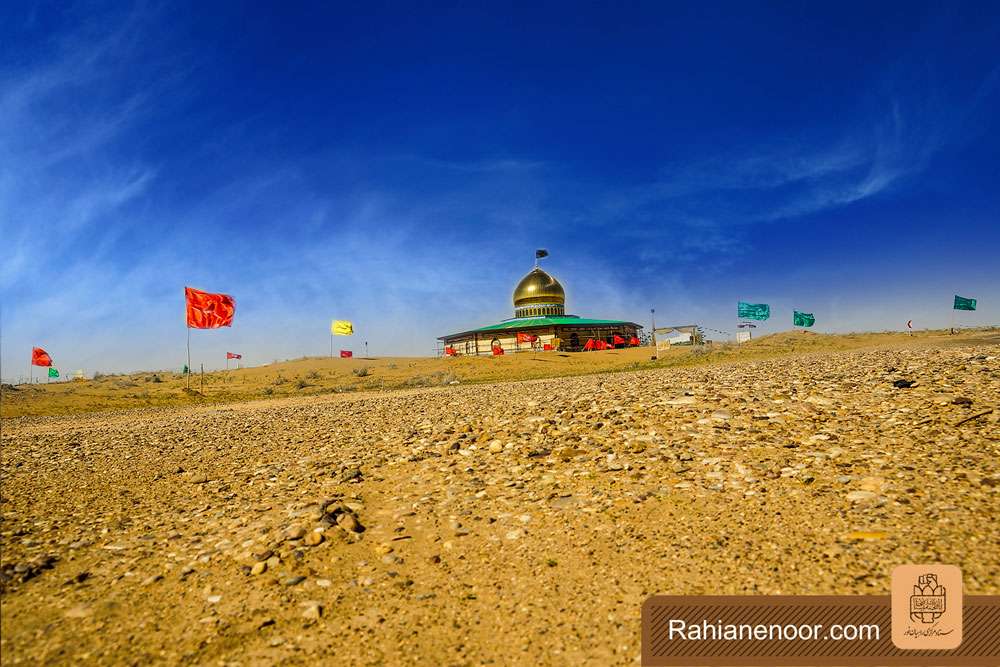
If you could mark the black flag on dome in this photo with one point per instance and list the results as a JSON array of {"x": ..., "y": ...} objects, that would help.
[{"x": 541, "y": 252}]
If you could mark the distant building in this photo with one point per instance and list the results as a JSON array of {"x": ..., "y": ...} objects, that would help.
[
  {"x": 686, "y": 334},
  {"x": 540, "y": 314}
]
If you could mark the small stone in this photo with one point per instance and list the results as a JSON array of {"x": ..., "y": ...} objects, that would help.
[
  {"x": 323, "y": 583},
  {"x": 294, "y": 533},
  {"x": 259, "y": 567},
  {"x": 873, "y": 484},
  {"x": 314, "y": 538},
  {"x": 514, "y": 534},
  {"x": 351, "y": 475},
  {"x": 349, "y": 523},
  {"x": 261, "y": 553},
  {"x": 213, "y": 599},
  {"x": 79, "y": 611},
  {"x": 273, "y": 562},
  {"x": 313, "y": 611},
  {"x": 496, "y": 446},
  {"x": 903, "y": 384},
  {"x": 862, "y": 497},
  {"x": 293, "y": 581}
]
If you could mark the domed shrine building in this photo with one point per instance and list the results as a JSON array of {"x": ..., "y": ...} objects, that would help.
[{"x": 540, "y": 322}]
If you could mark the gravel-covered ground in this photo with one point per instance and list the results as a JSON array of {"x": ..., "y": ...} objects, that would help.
[{"x": 517, "y": 523}]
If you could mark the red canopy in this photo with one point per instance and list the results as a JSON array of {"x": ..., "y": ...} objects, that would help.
[
  {"x": 590, "y": 345},
  {"x": 633, "y": 341},
  {"x": 618, "y": 340}
]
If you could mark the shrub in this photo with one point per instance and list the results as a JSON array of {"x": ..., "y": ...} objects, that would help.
[
  {"x": 268, "y": 391},
  {"x": 361, "y": 372},
  {"x": 313, "y": 375},
  {"x": 301, "y": 384}
]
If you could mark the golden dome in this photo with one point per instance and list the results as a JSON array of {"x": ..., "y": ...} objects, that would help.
[{"x": 538, "y": 287}]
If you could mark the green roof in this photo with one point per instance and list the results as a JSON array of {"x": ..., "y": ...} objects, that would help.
[{"x": 524, "y": 323}]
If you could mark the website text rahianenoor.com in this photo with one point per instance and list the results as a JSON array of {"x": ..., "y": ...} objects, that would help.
[{"x": 706, "y": 631}]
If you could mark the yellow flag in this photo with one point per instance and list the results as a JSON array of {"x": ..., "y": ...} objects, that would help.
[{"x": 342, "y": 328}]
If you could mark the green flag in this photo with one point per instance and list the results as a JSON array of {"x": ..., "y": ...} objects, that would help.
[
  {"x": 53, "y": 373},
  {"x": 753, "y": 311},
  {"x": 961, "y": 303},
  {"x": 186, "y": 370},
  {"x": 803, "y": 319}
]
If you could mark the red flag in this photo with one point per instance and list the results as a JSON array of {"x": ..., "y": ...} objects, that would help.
[
  {"x": 209, "y": 311},
  {"x": 526, "y": 338},
  {"x": 589, "y": 345},
  {"x": 233, "y": 355},
  {"x": 346, "y": 354},
  {"x": 633, "y": 341},
  {"x": 601, "y": 345},
  {"x": 450, "y": 351},
  {"x": 547, "y": 348},
  {"x": 618, "y": 340},
  {"x": 40, "y": 357},
  {"x": 497, "y": 351}
]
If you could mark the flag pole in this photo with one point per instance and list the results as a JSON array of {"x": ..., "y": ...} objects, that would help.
[{"x": 188, "y": 374}]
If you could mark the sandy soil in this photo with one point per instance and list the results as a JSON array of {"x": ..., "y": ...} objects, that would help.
[
  {"x": 316, "y": 376},
  {"x": 505, "y": 523}
]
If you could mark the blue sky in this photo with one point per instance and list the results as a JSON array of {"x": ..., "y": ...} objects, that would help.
[{"x": 398, "y": 166}]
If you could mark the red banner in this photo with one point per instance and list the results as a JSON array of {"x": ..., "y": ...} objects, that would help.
[
  {"x": 209, "y": 311},
  {"x": 590, "y": 345},
  {"x": 233, "y": 355},
  {"x": 497, "y": 351},
  {"x": 618, "y": 340},
  {"x": 346, "y": 354},
  {"x": 633, "y": 341},
  {"x": 40, "y": 357},
  {"x": 526, "y": 338},
  {"x": 450, "y": 351}
]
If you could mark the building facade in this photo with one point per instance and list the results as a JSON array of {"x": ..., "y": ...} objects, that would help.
[{"x": 540, "y": 322}]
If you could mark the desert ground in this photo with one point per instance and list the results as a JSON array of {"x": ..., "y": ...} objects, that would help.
[{"x": 453, "y": 512}]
